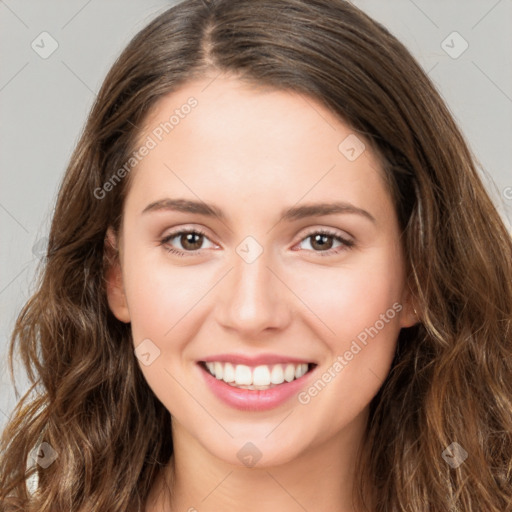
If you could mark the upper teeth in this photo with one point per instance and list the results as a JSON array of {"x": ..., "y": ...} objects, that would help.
[{"x": 262, "y": 375}]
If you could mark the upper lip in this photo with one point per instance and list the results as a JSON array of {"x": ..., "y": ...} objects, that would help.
[{"x": 255, "y": 360}]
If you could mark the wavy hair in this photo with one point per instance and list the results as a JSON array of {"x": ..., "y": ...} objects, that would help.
[{"x": 451, "y": 378}]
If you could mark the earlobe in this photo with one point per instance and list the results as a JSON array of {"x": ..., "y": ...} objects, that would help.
[
  {"x": 114, "y": 279},
  {"x": 409, "y": 315}
]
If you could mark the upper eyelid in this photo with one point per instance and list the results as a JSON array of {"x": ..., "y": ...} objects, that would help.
[{"x": 180, "y": 231}]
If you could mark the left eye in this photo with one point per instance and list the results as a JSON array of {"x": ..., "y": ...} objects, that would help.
[{"x": 320, "y": 240}]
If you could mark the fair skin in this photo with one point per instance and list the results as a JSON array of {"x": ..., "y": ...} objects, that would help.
[{"x": 253, "y": 153}]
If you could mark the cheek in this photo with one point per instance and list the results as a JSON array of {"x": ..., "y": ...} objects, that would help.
[
  {"x": 160, "y": 301},
  {"x": 348, "y": 299},
  {"x": 158, "y": 294},
  {"x": 359, "y": 310}
]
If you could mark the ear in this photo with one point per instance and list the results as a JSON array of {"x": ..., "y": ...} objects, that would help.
[
  {"x": 408, "y": 315},
  {"x": 114, "y": 278}
]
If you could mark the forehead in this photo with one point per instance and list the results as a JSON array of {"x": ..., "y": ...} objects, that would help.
[{"x": 226, "y": 141}]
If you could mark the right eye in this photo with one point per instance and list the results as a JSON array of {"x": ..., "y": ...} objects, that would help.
[{"x": 187, "y": 238}]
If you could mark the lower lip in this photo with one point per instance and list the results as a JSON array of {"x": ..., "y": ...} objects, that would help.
[{"x": 252, "y": 399}]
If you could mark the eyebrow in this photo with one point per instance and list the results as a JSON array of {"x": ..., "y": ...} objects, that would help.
[{"x": 290, "y": 214}]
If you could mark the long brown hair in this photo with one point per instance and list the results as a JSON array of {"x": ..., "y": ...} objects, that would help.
[{"x": 451, "y": 379}]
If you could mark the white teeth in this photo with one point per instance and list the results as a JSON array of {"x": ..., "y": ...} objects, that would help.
[
  {"x": 243, "y": 374},
  {"x": 300, "y": 370},
  {"x": 218, "y": 369},
  {"x": 229, "y": 373},
  {"x": 277, "y": 375},
  {"x": 289, "y": 373},
  {"x": 259, "y": 377}
]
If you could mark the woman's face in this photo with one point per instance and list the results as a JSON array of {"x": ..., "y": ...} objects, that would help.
[{"x": 260, "y": 284}]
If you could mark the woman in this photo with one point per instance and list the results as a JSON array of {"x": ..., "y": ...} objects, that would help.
[{"x": 274, "y": 280}]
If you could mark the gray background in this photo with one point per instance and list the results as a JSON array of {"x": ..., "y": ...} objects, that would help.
[{"x": 44, "y": 103}]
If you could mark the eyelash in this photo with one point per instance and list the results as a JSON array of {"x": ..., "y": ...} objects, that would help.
[{"x": 347, "y": 244}]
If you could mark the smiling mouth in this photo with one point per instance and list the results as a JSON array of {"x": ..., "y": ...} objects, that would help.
[{"x": 259, "y": 377}]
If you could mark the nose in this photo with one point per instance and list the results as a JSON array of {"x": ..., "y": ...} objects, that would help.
[{"x": 253, "y": 298}]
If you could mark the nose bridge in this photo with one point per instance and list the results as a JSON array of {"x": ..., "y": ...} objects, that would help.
[{"x": 251, "y": 298}]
